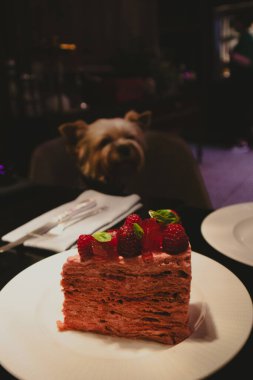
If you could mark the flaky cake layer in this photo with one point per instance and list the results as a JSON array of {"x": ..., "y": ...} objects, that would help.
[{"x": 129, "y": 298}]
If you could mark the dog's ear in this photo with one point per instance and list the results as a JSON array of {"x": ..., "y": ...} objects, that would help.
[
  {"x": 73, "y": 131},
  {"x": 142, "y": 119}
]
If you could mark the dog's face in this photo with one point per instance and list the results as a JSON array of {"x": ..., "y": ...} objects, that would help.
[{"x": 109, "y": 150}]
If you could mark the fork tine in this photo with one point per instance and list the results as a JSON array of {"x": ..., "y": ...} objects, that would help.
[
  {"x": 75, "y": 208},
  {"x": 57, "y": 230},
  {"x": 79, "y": 209},
  {"x": 62, "y": 218}
]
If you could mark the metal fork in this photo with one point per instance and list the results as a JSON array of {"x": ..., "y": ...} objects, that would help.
[{"x": 64, "y": 217}]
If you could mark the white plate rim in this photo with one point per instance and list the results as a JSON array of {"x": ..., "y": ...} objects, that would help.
[
  {"x": 217, "y": 229},
  {"x": 208, "y": 353}
]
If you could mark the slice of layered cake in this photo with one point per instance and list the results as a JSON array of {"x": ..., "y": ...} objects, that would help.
[{"x": 133, "y": 282}]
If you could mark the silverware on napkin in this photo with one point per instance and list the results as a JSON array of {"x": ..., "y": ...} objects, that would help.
[
  {"x": 62, "y": 226},
  {"x": 67, "y": 218}
]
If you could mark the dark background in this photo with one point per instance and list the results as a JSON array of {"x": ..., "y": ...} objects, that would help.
[{"x": 117, "y": 55}]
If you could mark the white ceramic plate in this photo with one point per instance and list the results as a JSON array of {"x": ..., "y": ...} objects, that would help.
[
  {"x": 32, "y": 348},
  {"x": 230, "y": 231}
]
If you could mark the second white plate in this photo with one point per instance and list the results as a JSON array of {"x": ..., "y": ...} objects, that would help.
[{"x": 230, "y": 231}]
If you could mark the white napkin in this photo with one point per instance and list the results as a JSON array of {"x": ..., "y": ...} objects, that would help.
[{"x": 117, "y": 209}]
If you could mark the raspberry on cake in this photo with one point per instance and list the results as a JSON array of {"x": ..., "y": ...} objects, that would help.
[
  {"x": 135, "y": 290},
  {"x": 175, "y": 239},
  {"x": 129, "y": 240},
  {"x": 84, "y": 246}
]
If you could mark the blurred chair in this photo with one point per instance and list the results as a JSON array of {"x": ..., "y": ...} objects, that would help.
[
  {"x": 51, "y": 165},
  {"x": 171, "y": 172}
]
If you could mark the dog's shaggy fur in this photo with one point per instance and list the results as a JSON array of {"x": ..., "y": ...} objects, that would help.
[{"x": 109, "y": 152}]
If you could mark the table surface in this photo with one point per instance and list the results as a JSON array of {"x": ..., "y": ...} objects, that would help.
[{"x": 26, "y": 202}]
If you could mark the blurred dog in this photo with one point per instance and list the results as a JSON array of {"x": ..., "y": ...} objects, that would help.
[{"x": 109, "y": 152}]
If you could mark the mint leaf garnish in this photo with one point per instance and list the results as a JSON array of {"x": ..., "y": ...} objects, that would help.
[
  {"x": 165, "y": 216},
  {"x": 138, "y": 230},
  {"x": 102, "y": 236}
]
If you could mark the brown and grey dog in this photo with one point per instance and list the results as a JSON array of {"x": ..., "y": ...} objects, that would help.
[{"x": 109, "y": 152}]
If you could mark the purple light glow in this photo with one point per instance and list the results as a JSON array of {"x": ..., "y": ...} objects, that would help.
[{"x": 2, "y": 170}]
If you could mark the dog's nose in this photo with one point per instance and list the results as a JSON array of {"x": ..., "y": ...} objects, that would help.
[{"x": 124, "y": 150}]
